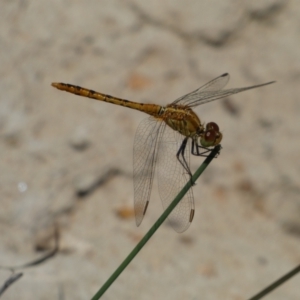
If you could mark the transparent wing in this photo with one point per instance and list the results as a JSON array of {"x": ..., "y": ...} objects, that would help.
[
  {"x": 212, "y": 91},
  {"x": 212, "y": 86},
  {"x": 171, "y": 179},
  {"x": 144, "y": 158}
]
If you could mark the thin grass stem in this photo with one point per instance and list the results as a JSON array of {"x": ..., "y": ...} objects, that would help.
[
  {"x": 156, "y": 225},
  {"x": 276, "y": 284}
]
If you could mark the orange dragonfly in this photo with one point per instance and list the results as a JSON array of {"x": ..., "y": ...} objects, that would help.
[{"x": 166, "y": 140}]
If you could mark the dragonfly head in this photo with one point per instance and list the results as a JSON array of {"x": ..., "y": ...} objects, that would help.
[{"x": 211, "y": 136}]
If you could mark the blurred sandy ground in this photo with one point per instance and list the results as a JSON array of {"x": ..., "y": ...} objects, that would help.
[{"x": 68, "y": 160}]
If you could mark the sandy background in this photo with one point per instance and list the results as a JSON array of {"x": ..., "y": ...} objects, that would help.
[{"x": 68, "y": 160}]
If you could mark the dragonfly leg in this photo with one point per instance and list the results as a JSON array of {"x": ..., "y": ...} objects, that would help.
[
  {"x": 181, "y": 158},
  {"x": 198, "y": 150}
]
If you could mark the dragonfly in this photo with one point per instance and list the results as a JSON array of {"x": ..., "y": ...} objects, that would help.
[{"x": 165, "y": 140}]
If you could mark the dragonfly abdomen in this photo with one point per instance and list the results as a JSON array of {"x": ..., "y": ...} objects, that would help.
[{"x": 150, "y": 109}]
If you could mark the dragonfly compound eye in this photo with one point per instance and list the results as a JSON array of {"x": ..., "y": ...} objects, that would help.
[
  {"x": 212, "y": 126},
  {"x": 208, "y": 139},
  {"x": 211, "y": 138}
]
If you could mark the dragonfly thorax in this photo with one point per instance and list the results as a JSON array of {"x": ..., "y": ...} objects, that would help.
[{"x": 182, "y": 119}]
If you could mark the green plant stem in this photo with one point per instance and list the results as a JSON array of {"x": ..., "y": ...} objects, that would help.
[
  {"x": 276, "y": 284},
  {"x": 156, "y": 225}
]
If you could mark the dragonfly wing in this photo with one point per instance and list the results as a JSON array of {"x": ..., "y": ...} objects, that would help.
[
  {"x": 212, "y": 96},
  {"x": 144, "y": 158},
  {"x": 172, "y": 177},
  {"x": 212, "y": 86},
  {"x": 213, "y": 91}
]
